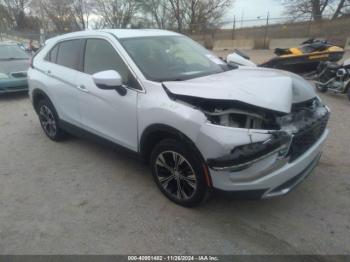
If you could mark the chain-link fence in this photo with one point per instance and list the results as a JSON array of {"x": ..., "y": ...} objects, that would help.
[{"x": 258, "y": 33}]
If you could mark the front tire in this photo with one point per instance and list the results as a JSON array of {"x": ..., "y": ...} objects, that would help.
[
  {"x": 49, "y": 120},
  {"x": 179, "y": 173}
]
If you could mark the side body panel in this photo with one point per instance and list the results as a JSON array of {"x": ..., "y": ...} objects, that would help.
[
  {"x": 108, "y": 114},
  {"x": 59, "y": 83}
]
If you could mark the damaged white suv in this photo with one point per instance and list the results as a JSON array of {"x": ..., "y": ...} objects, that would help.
[{"x": 200, "y": 123}]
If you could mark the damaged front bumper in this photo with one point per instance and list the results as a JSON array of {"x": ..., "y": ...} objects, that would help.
[
  {"x": 243, "y": 157},
  {"x": 277, "y": 163}
]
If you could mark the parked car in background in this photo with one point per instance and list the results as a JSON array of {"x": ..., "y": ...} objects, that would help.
[
  {"x": 14, "y": 64},
  {"x": 198, "y": 122}
]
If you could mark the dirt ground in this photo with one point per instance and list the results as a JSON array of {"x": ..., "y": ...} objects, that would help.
[{"x": 79, "y": 197}]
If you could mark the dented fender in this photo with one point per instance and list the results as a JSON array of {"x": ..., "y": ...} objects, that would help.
[{"x": 216, "y": 141}]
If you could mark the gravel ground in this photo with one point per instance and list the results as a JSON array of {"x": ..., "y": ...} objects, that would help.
[{"x": 78, "y": 197}]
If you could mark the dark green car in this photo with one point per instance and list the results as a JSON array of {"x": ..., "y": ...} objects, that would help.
[{"x": 14, "y": 63}]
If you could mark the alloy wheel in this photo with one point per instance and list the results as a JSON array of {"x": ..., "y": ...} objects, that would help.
[
  {"x": 48, "y": 121},
  {"x": 176, "y": 175}
]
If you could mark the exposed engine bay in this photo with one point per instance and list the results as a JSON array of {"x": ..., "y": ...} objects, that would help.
[
  {"x": 240, "y": 115},
  {"x": 302, "y": 115},
  {"x": 291, "y": 134}
]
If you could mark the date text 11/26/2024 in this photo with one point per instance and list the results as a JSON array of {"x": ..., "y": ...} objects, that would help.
[{"x": 173, "y": 258}]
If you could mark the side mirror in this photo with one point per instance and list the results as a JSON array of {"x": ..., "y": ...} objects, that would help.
[
  {"x": 235, "y": 59},
  {"x": 109, "y": 80}
]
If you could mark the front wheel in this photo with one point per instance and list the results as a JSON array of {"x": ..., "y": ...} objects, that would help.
[
  {"x": 321, "y": 88},
  {"x": 179, "y": 173}
]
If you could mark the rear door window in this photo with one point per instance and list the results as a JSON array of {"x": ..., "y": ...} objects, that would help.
[{"x": 69, "y": 54}]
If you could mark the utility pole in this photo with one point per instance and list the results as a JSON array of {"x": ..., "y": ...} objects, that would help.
[
  {"x": 266, "y": 30},
  {"x": 309, "y": 27},
  {"x": 1, "y": 28},
  {"x": 42, "y": 18},
  {"x": 233, "y": 27}
]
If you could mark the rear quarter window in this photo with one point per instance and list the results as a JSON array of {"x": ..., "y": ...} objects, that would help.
[{"x": 52, "y": 55}]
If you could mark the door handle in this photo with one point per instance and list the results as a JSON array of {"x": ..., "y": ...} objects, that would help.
[
  {"x": 83, "y": 88},
  {"x": 49, "y": 72}
]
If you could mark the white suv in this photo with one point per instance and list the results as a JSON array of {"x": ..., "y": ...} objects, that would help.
[{"x": 200, "y": 123}]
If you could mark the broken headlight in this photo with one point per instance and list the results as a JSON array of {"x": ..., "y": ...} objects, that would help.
[{"x": 244, "y": 156}]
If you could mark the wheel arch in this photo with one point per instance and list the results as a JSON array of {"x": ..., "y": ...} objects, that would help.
[
  {"x": 39, "y": 95},
  {"x": 155, "y": 133}
]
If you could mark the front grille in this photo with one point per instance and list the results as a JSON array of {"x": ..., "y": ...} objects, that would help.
[{"x": 306, "y": 138}]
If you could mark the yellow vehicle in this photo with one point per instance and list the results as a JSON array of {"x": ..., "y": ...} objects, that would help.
[{"x": 305, "y": 58}]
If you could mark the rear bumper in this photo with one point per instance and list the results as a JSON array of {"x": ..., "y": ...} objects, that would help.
[{"x": 271, "y": 182}]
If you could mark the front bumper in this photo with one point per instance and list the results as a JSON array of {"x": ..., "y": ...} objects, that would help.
[
  {"x": 13, "y": 85},
  {"x": 269, "y": 180}
]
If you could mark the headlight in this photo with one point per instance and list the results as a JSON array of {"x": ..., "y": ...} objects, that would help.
[
  {"x": 244, "y": 156},
  {"x": 3, "y": 76}
]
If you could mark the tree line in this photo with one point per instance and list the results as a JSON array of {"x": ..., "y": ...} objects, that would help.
[
  {"x": 193, "y": 16},
  {"x": 317, "y": 9},
  {"x": 72, "y": 15}
]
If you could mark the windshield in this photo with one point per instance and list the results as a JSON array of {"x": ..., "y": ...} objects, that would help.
[
  {"x": 172, "y": 58},
  {"x": 9, "y": 52}
]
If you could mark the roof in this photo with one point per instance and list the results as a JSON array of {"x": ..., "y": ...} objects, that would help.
[
  {"x": 119, "y": 33},
  {"x": 129, "y": 33}
]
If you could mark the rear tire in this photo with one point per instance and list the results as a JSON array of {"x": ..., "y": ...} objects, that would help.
[
  {"x": 49, "y": 120},
  {"x": 179, "y": 173}
]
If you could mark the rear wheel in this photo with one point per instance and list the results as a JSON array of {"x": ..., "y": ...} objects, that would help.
[
  {"x": 49, "y": 120},
  {"x": 179, "y": 173}
]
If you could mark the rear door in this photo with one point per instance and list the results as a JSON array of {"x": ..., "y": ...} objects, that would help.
[
  {"x": 61, "y": 69},
  {"x": 106, "y": 112}
]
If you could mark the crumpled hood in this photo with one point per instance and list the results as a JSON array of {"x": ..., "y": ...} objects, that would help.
[
  {"x": 266, "y": 88},
  {"x": 14, "y": 66}
]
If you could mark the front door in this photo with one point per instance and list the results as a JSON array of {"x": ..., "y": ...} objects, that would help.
[{"x": 106, "y": 112}]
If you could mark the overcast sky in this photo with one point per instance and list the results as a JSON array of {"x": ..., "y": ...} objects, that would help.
[{"x": 252, "y": 9}]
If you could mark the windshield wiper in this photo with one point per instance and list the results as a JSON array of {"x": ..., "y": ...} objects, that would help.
[{"x": 170, "y": 80}]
